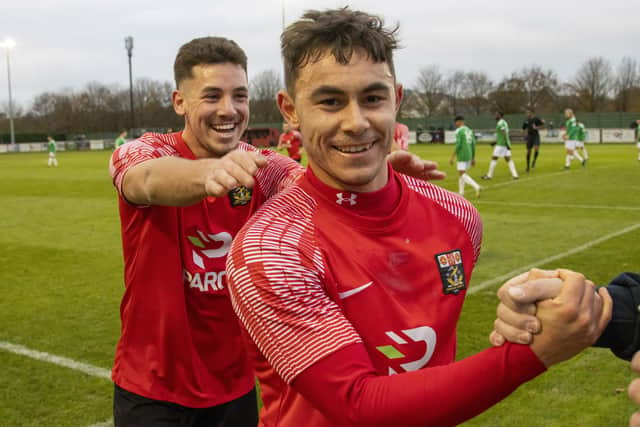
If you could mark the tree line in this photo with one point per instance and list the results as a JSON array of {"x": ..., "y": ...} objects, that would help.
[
  {"x": 102, "y": 108},
  {"x": 596, "y": 87}
]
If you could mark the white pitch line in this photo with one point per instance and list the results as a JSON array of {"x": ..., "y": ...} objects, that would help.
[
  {"x": 504, "y": 277},
  {"x": 108, "y": 423},
  {"x": 534, "y": 177},
  {"x": 553, "y": 205},
  {"x": 94, "y": 371},
  {"x": 531, "y": 178}
]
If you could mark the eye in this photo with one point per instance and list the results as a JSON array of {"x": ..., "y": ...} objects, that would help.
[
  {"x": 241, "y": 96},
  {"x": 212, "y": 97},
  {"x": 373, "y": 99},
  {"x": 329, "y": 102}
]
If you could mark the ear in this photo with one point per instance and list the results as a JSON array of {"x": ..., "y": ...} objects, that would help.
[
  {"x": 178, "y": 102},
  {"x": 288, "y": 109},
  {"x": 399, "y": 96}
]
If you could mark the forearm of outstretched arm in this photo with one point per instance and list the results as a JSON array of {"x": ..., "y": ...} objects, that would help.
[
  {"x": 345, "y": 387},
  {"x": 168, "y": 181}
]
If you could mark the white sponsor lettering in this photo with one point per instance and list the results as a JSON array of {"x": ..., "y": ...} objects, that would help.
[{"x": 204, "y": 282}]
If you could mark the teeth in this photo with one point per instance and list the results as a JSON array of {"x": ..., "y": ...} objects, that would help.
[
  {"x": 224, "y": 127},
  {"x": 353, "y": 149}
]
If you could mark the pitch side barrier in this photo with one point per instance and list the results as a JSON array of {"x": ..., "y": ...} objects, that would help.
[
  {"x": 594, "y": 136},
  {"x": 86, "y": 145}
]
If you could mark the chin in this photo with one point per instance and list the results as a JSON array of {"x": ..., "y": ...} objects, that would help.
[{"x": 221, "y": 148}]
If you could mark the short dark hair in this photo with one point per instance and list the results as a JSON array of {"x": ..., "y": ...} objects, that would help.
[
  {"x": 341, "y": 31},
  {"x": 500, "y": 113},
  {"x": 206, "y": 50},
  {"x": 458, "y": 118}
]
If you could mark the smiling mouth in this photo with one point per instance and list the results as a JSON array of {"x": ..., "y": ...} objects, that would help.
[
  {"x": 224, "y": 127},
  {"x": 350, "y": 149}
]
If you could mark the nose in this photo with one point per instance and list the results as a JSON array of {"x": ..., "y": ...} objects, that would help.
[
  {"x": 226, "y": 107},
  {"x": 354, "y": 120}
]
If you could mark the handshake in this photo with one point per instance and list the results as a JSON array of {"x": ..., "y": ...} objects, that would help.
[{"x": 545, "y": 306}]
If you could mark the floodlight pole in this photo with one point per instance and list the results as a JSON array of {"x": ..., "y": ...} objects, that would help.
[
  {"x": 8, "y": 45},
  {"x": 128, "y": 44}
]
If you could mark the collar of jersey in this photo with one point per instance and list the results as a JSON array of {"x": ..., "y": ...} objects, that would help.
[
  {"x": 183, "y": 148},
  {"x": 379, "y": 207}
]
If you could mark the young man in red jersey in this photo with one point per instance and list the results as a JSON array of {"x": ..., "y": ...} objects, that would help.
[
  {"x": 292, "y": 141},
  {"x": 350, "y": 283},
  {"x": 182, "y": 198},
  {"x": 400, "y": 137}
]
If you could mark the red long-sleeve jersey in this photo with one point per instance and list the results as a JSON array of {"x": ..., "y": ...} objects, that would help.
[
  {"x": 180, "y": 339},
  {"x": 350, "y": 302}
]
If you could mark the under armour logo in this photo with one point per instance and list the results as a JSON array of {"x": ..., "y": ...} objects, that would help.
[{"x": 351, "y": 199}]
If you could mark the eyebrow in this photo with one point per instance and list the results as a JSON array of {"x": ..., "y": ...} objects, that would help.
[
  {"x": 217, "y": 89},
  {"x": 332, "y": 90}
]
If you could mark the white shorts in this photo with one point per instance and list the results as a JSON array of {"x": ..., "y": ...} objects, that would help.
[
  {"x": 464, "y": 166},
  {"x": 52, "y": 155},
  {"x": 579, "y": 144},
  {"x": 570, "y": 144},
  {"x": 501, "y": 151}
]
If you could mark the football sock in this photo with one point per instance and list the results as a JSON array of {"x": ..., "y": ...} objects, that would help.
[
  {"x": 461, "y": 185},
  {"x": 466, "y": 178},
  {"x": 512, "y": 168},
  {"x": 535, "y": 157},
  {"x": 492, "y": 167},
  {"x": 577, "y": 156}
]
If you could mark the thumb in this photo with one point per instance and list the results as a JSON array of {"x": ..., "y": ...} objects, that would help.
[{"x": 532, "y": 291}]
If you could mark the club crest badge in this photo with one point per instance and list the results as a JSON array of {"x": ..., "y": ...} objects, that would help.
[
  {"x": 451, "y": 271},
  {"x": 240, "y": 196}
]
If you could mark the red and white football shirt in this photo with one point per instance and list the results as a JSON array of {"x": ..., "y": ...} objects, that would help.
[
  {"x": 293, "y": 142},
  {"x": 341, "y": 291},
  {"x": 180, "y": 339},
  {"x": 401, "y": 136}
]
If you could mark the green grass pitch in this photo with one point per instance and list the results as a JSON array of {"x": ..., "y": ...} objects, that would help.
[{"x": 61, "y": 276}]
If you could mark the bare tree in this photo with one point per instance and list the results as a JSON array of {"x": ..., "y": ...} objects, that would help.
[
  {"x": 152, "y": 101},
  {"x": 411, "y": 106},
  {"x": 627, "y": 78},
  {"x": 454, "y": 87},
  {"x": 540, "y": 86},
  {"x": 592, "y": 84},
  {"x": 509, "y": 96},
  {"x": 263, "y": 90},
  {"x": 429, "y": 90},
  {"x": 477, "y": 86}
]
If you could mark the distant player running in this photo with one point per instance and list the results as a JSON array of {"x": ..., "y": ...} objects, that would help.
[
  {"x": 531, "y": 126},
  {"x": 502, "y": 148},
  {"x": 570, "y": 138},
  {"x": 52, "y": 148},
  {"x": 465, "y": 152}
]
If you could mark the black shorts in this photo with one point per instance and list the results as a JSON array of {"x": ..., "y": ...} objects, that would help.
[
  {"x": 132, "y": 410},
  {"x": 533, "y": 141}
]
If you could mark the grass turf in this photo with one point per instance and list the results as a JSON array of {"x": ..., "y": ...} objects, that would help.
[{"x": 61, "y": 272}]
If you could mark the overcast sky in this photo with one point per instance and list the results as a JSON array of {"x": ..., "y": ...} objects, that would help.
[{"x": 67, "y": 43}]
